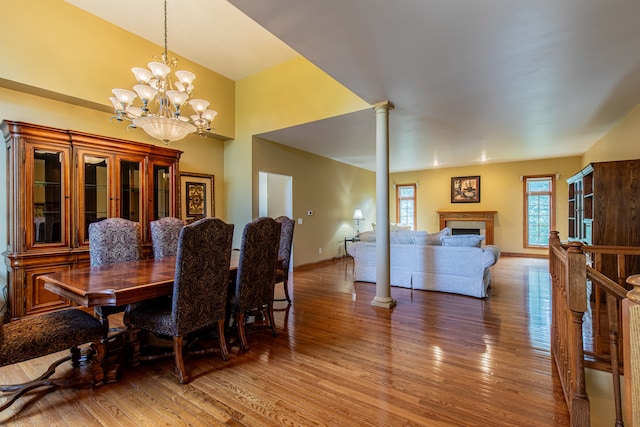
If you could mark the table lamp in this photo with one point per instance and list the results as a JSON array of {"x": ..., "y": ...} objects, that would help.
[{"x": 357, "y": 216}]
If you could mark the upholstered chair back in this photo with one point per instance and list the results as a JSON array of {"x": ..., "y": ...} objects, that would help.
[
  {"x": 286, "y": 239},
  {"x": 202, "y": 274},
  {"x": 200, "y": 290},
  {"x": 284, "y": 252},
  {"x": 257, "y": 264},
  {"x": 114, "y": 240},
  {"x": 164, "y": 236}
]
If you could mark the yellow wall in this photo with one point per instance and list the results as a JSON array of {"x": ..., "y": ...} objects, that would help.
[
  {"x": 500, "y": 190},
  {"x": 332, "y": 190},
  {"x": 72, "y": 54},
  {"x": 621, "y": 143},
  {"x": 288, "y": 94}
]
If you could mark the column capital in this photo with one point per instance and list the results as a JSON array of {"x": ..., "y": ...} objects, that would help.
[{"x": 387, "y": 105}]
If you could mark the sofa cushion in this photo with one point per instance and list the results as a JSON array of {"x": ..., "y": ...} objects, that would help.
[
  {"x": 367, "y": 236},
  {"x": 467, "y": 240},
  {"x": 424, "y": 238},
  {"x": 434, "y": 238},
  {"x": 401, "y": 237}
]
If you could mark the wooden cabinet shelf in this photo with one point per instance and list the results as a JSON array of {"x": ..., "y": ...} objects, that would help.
[
  {"x": 604, "y": 209},
  {"x": 60, "y": 181}
]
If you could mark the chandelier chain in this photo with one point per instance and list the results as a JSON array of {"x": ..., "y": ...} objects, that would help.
[{"x": 166, "y": 56}]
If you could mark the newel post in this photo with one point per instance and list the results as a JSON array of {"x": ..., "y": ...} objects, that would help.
[
  {"x": 577, "y": 305},
  {"x": 631, "y": 346}
]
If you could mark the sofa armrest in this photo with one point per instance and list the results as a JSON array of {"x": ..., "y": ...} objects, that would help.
[{"x": 490, "y": 255}]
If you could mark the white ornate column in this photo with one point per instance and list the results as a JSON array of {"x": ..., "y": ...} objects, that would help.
[{"x": 383, "y": 274}]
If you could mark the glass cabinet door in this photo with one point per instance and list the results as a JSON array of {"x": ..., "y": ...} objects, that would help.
[
  {"x": 95, "y": 200},
  {"x": 96, "y": 189},
  {"x": 161, "y": 188},
  {"x": 161, "y": 192},
  {"x": 130, "y": 190},
  {"x": 47, "y": 200}
]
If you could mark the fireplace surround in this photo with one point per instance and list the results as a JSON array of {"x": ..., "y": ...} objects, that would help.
[{"x": 484, "y": 217}]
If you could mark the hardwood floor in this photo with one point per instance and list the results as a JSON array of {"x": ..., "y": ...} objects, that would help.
[{"x": 434, "y": 360}]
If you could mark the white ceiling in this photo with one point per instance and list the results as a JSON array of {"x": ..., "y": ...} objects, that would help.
[{"x": 501, "y": 79}]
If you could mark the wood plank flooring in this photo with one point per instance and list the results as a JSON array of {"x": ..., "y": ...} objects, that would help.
[{"x": 434, "y": 360}]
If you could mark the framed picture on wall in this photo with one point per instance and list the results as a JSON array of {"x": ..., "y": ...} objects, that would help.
[
  {"x": 465, "y": 189},
  {"x": 196, "y": 196}
]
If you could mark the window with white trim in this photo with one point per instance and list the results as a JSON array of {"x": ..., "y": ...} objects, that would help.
[
  {"x": 539, "y": 210},
  {"x": 406, "y": 205}
]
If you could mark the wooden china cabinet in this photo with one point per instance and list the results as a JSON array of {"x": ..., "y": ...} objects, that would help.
[
  {"x": 60, "y": 181},
  {"x": 604, "y": 210}
]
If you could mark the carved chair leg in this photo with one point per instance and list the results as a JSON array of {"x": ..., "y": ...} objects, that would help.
[
  {"x": 241, "y": 332},
  {"x": 285, "y": 283},
  {"x": 224, "y": 352},
  {"x": 87, "y": 371},
  {"x": 177, "y": 351},
  {"x": 272, "y": 322}
]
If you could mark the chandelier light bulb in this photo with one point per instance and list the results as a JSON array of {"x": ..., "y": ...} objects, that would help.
[
  {"x": 210, "y": 115},
  {"x": 185, "y": 77},
  {"x": 177, "y": 98},
  {"x": 159, "y": 70},
  {"x": 124, "y": 97},
  {"x": 145, "y": 92},
  {"x": 199, "y": 105},
  {"x": 133, "y": 112},
  {"x": 142, "y": 75}
]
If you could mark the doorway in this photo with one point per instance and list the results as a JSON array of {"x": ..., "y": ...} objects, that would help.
[{"x": 275, "y": 197}]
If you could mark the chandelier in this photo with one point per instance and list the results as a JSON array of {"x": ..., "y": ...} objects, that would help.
[{"x": 156, "y": 89}]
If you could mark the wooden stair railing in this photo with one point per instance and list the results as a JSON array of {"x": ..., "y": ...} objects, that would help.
[
  {"x": 574, "y": 267},
  {"x": 568, "y": 305}
]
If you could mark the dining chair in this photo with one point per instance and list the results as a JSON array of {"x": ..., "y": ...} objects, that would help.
[
  {"x": 113, "y": 240},
  {"x": 36, "y": 336},
  {"x": 284, "y": 252},
  {"x": 256, "y": 274},
  {"x": 199, "y": 290},
  {"x": 164, "y": 236}
]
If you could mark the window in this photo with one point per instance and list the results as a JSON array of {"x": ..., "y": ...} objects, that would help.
[
  {"x": 406, "y": 205},
  {"x": 539, "y": 212}
]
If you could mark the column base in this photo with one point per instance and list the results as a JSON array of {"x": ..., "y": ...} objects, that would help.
[{"x": 383, "y": 302}]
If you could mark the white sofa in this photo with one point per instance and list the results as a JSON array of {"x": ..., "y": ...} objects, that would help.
[{"x": 461, "y": 267}]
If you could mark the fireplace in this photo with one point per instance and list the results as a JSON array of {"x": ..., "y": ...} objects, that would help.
[
  {"x": 464, "y": 221},
  {"x": 457, "y": 231}
]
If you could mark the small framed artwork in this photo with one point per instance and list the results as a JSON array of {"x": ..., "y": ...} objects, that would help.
[
  {"x": 196, "y": 196},
  {"x": 465, "y": 189}
]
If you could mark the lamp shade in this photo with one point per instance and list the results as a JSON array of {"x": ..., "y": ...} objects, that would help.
[
  {"x": 164, "y": 128},
  {"x": 357, "y": 214}
]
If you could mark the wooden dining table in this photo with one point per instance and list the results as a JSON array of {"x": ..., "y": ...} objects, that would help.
[{"x": 118, "y": 284}]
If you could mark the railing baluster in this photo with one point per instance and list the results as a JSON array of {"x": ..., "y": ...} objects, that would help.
[{"x": 570, "y": 276}]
